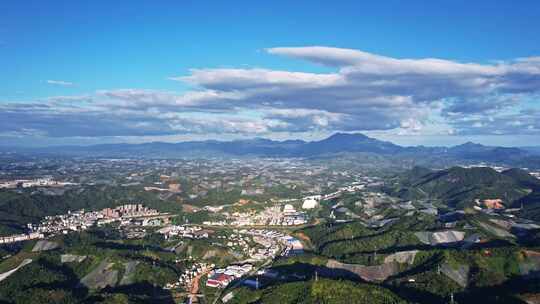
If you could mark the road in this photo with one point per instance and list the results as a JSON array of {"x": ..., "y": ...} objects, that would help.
[
  {"x": 194, "y": 289},
  {"x": 8, "y": 273}
]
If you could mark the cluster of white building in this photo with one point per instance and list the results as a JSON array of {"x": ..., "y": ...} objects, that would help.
[
  {"x": 242, "y": 241},
  {"x": 268, "y": 249},
  {"x": 190, "y": 232},
  {"x": 38, "y": 182},
  {"x": 270, "y": 216},
  {"x": 81, "y": 220},
  {"x": 271, "y": 240},
  {"x": 64, "y": 223},
  {"x": 129, "y": 210},
  {"x": 280, "y": 215},
  {"x": 21, "y": 237},
  {"x": 356, "y": 186}
]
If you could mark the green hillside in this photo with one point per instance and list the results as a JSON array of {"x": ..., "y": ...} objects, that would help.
[
  {"x": 322, "y": 291},
  {"x": 459, "y": 187}
]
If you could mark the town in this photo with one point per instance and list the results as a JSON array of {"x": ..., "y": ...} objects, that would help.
[
  {"x": 129, "y": 214},
  {"x": 212, "y": 228}
]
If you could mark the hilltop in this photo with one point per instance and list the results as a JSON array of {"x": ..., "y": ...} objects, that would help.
[{"x": 458, "y": 186}]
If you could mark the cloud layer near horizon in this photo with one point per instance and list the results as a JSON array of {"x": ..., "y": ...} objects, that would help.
[{"x": 364, "y": 92}]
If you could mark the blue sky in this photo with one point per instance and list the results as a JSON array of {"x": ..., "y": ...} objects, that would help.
[{"x": 133, "y": 71}]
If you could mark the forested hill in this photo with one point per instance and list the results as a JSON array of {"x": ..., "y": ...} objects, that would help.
[{"x": 459, "y": 187}]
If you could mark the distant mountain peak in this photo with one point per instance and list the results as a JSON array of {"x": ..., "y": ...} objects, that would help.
[
  {"x": 346, "y": 136},
  {"x": 470, "y": 144}
]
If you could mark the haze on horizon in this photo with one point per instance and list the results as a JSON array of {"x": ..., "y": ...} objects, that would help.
[{"x": 413, "y": 73}]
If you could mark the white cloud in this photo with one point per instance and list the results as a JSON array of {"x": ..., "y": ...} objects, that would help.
[
  {"x": 235, "y": 79},
  {"x": 365, "y": 92},
  {"x": 60, "y": 83},
  {"x": 376, "y": 64}
]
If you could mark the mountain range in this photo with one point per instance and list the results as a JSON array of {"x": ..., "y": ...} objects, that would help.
[{"x": 338, "y": 143}]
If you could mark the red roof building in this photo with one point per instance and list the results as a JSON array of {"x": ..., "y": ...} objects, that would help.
[{"x": 219, "y": 280}]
